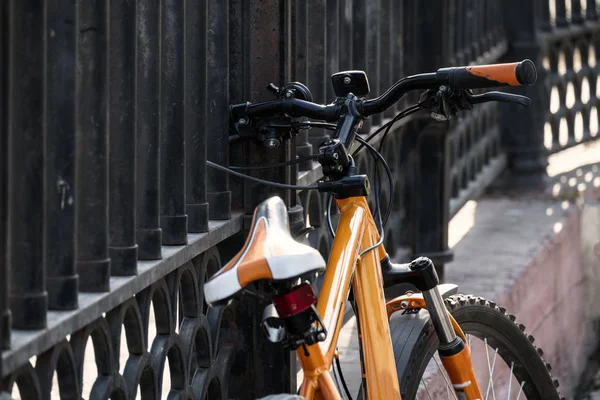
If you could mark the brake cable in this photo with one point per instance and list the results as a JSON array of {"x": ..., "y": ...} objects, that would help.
[{"x": 263, "y": 181}]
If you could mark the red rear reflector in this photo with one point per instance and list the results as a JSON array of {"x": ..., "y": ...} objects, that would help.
[{"x": 296, "y": 301}]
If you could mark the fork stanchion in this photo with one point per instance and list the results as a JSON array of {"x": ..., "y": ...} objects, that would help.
[
  {"x": 59, "y": 154},
  {"x": 27, "y": 287},
  {"x": 148, "y": 232},
  {"x": 195, "y": 116},
  {"x": 122, "y": 248},
  {"x": 91, "y": 159},
  {"x": 217, "y": 122},
  {"x": 173, "y": 219}
]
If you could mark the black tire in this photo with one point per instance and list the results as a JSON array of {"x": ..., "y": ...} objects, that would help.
[{"x": 415, "y": 343}]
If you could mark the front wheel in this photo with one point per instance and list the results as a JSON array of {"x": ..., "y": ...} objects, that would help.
[{"x": 506, "y": 363}]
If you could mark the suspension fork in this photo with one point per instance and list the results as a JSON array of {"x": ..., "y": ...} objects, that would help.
[{"x": 453, "y": 349}]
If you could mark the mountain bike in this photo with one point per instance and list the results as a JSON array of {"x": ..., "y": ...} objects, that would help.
[{"x": 400, "y": 339}]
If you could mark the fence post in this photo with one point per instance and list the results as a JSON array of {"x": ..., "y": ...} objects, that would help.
[
  {"x": 148, "y": 232},
  {"x": 4, "y": 308},
  {"x": 28, "y": 297},
  {"x": 173, "y": 219},
  {"x": 93, "y": 264},
  {"x": 195, "y": 115},
  {"x": 432, "y": 193},
  {"x": 123, "y": 250},
  {"x": 523, "y": 132},
  {"x": 217, "y": 112},
  {"x": 59, "y": 180}
]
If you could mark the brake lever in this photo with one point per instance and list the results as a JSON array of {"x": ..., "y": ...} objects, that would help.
[{"x": 498, "y": 96}]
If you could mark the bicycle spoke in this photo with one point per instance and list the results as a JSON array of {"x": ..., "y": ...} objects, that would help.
[
  {"x": 520, "y": 390},
  {"x": 443, "y": 371},
  {"x": 490, "y": 370},
  {"x": 512, "y": 365},
  {"x": 427, "y": 390}
]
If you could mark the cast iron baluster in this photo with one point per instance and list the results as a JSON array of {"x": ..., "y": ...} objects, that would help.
[
  {"x": 195, "y": 115},
  {"x": 345, "y": 44},
  {"x": 173, "y": 220},
  {"x": 373, "y": 29},
  {"x": 91, "y": 161},
  {"x": 590, "y": 10},
  {"x": 561, "y": 13},
  {"x": 545, "y": 24},
  {"x": 522, "y": 134},
  {"x": 318, "y": 74},
  {"x": 360, "y": 49},
  {"x": 332, "y": 64},
  {"x": 386, "y": 65},
  {"x": 217, "y": 118},
  {"x": 25, "y": 245},
  {"x": 4, "y": 306},
  {"x": 398, "y": 38},
  {"x": 122, "y": 249},
  {"x": 451, "y": 35},
  {"x": 460, "y": 31},
  {"x": 576, "y": 17},
  {"x": 148, "y": 232},
  {"x": 59, "y": 180},
  {"x": 299, "y": 46}
]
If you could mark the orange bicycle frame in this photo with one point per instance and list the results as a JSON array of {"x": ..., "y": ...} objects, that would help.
[{"x": 356, "y": 231}]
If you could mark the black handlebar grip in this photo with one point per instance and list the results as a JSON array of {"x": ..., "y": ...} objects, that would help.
[{"x": 490, "y": 75}]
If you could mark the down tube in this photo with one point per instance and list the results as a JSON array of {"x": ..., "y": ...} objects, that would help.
[
  {"x": 332, "y": 299},
  {"x": 377, "y": 350}
]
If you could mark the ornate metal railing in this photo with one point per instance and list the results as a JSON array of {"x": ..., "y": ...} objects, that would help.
[
  {"x": 110, "y": 221},
  {"x": 570, "y": 35}
]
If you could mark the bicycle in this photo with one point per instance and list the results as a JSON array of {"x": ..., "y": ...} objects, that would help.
[{"x": 433, "y": 318}]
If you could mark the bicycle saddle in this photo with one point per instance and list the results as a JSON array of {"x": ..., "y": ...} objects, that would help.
[{"x": 269, "y": 252}]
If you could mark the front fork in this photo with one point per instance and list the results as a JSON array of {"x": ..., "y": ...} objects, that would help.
[{"x": 453, "y": 350}]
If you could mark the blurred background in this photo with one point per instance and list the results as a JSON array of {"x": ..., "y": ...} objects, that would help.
[{"x": 110, "y": 221}]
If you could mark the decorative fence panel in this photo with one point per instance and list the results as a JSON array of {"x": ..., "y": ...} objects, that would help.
[{"x": 110, "y": 221}]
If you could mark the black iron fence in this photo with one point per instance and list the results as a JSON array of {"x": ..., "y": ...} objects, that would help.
[{"x": 111, "y": 222}]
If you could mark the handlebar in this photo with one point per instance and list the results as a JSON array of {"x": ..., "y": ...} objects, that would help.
[{"x": 468, "y": 77}]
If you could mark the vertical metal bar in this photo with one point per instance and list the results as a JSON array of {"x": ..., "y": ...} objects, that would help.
[
  {"x": 544, "y": 15},
  {"x": 91, "y": 161},
  {"x": 217, "y": 120},
  {"x": 576, "y": 17},
  {"x": 59, "y": 179},
  {"x": 523, "y": 132},
  {"x": 317, "y": 53},
  {"x": 123, "y": 250},
  {"x": 148, "y": 232},
  {"x": 173, "y": 220},
  {"x": 386, "y": 49},
  {"x": 27, "y": 296},
  {"x": 345, "y": 44},
  {"x": 459, "y": 32},
  {"x": 561, "y": 13},
  {"x": 195, "y": 114},
  {"x": 5, "y": 316},
  {"x": 299, "y": 46},
  {"x": 333, "y": 43},
  {"x": 590, "y": 10},
  {"x": 398, "y": 43},
  {"x": 373, "y": 26}
]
